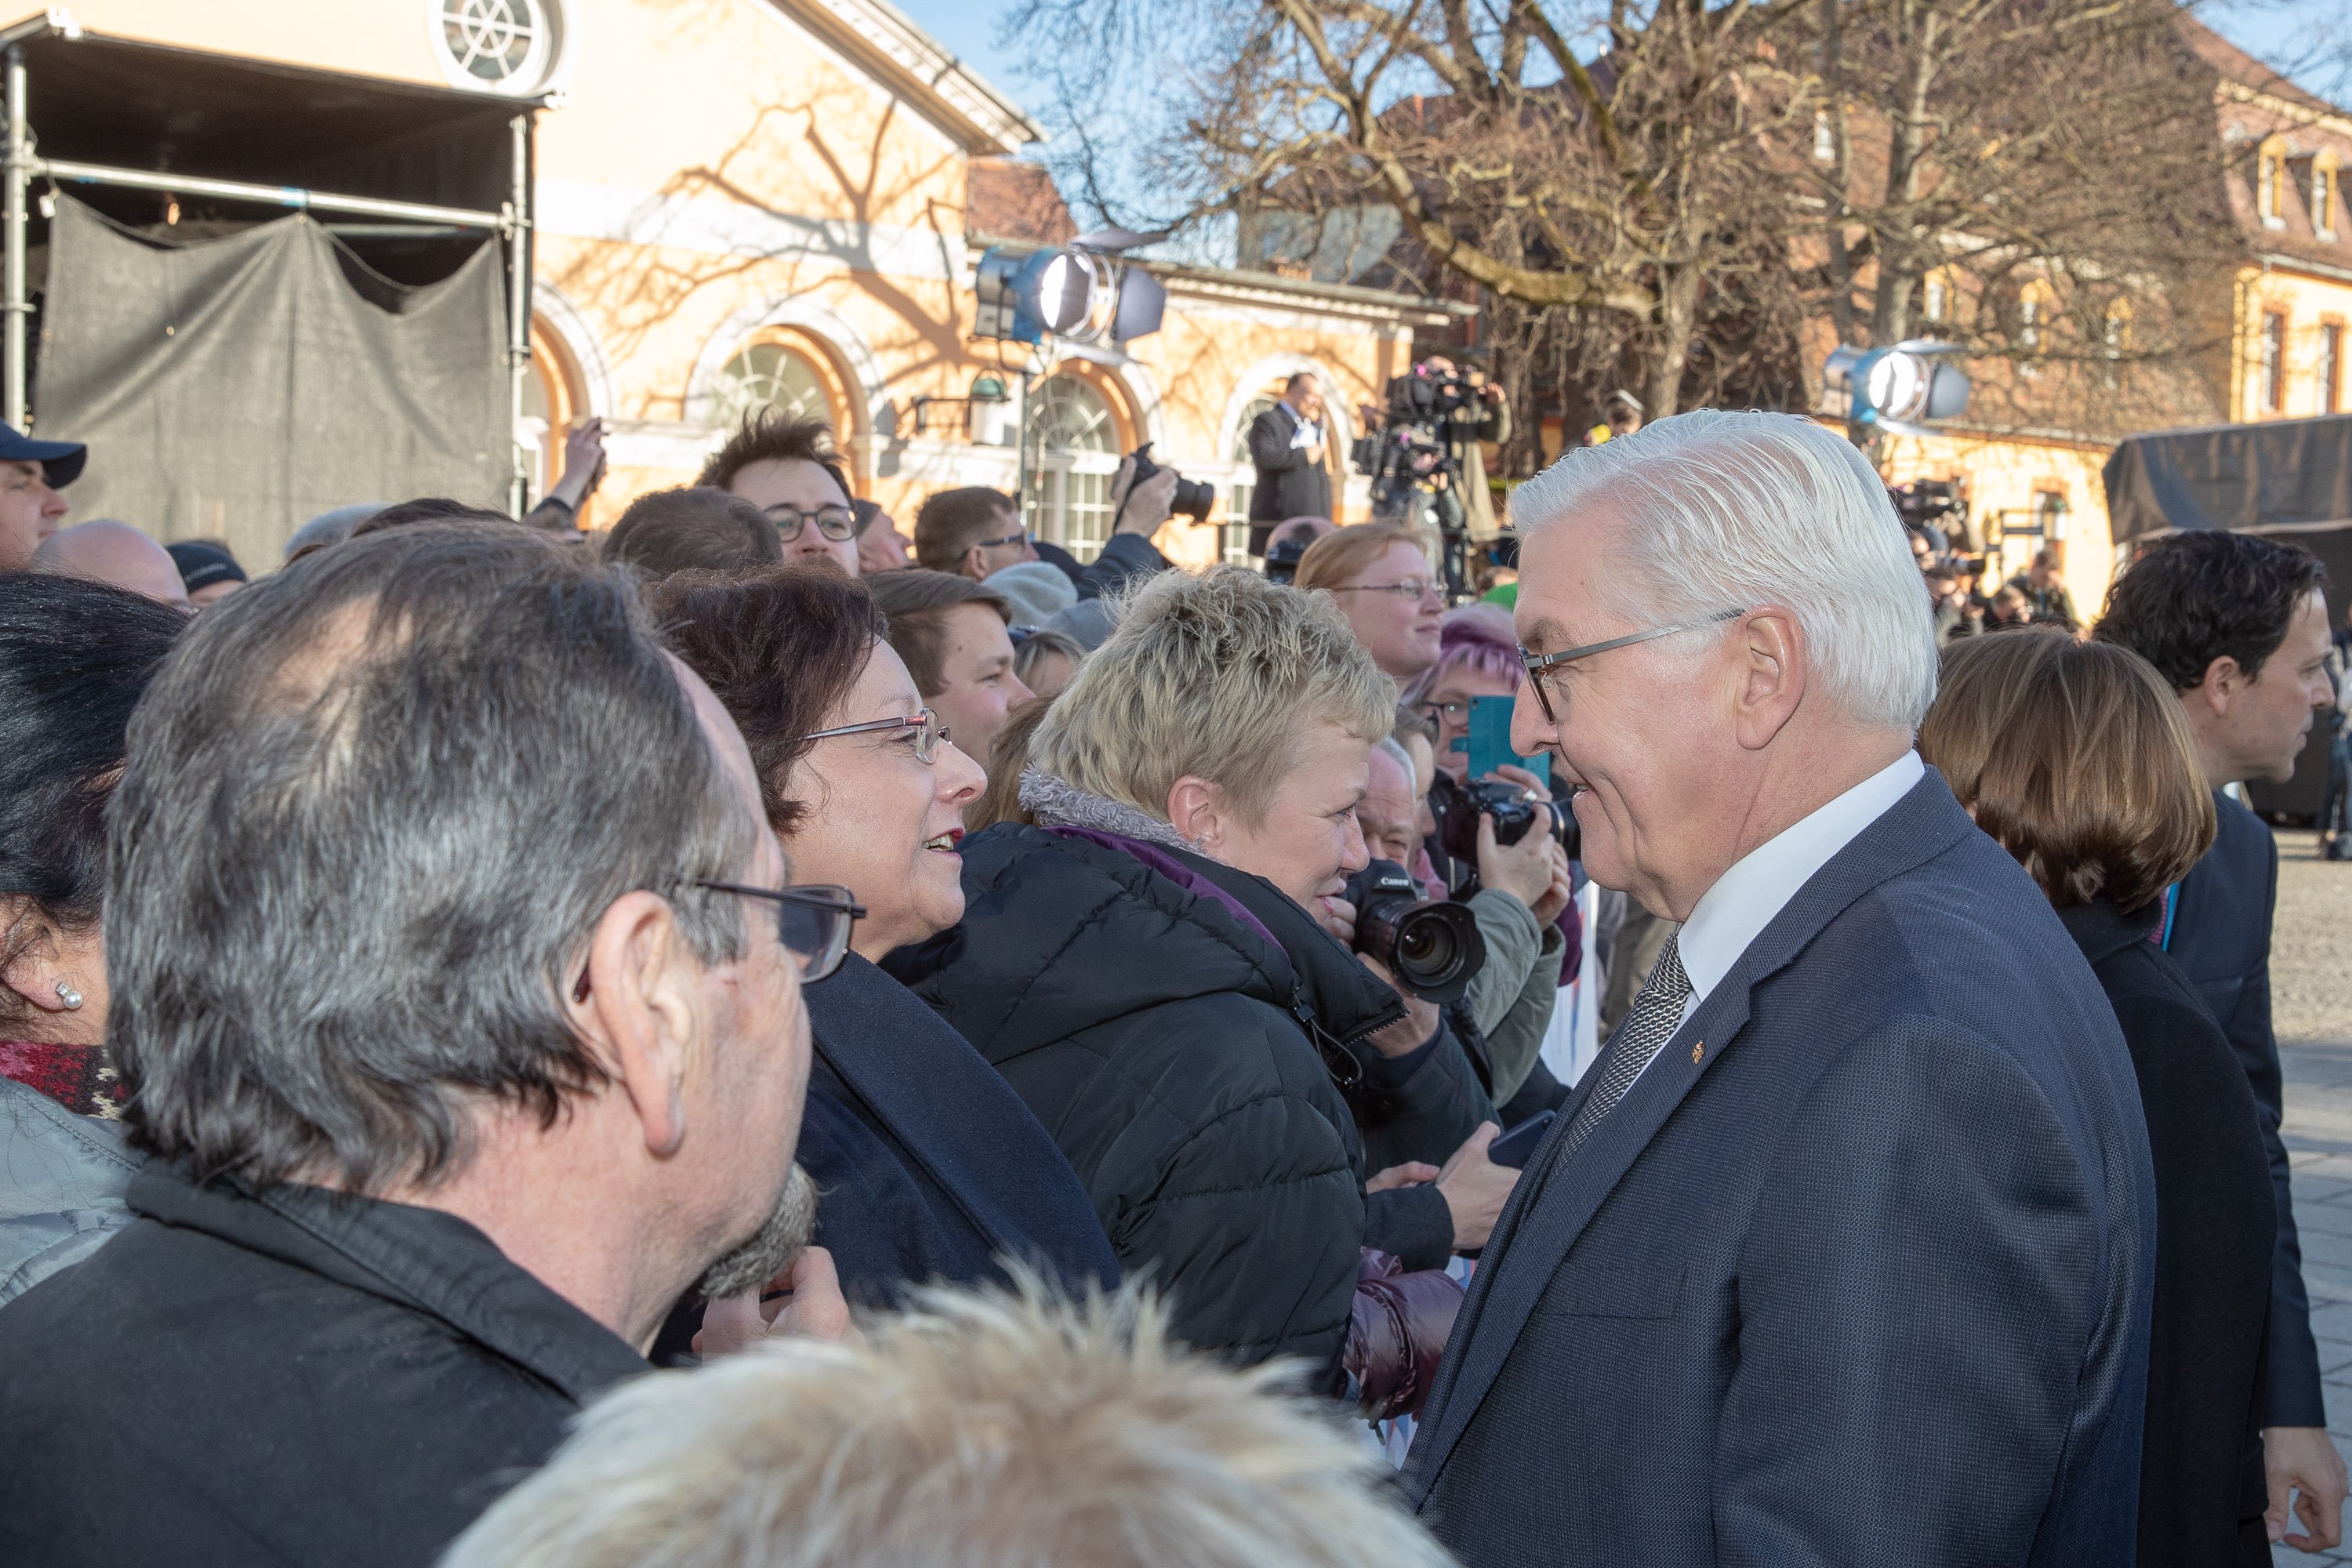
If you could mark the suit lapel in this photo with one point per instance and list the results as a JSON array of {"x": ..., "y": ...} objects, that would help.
[{"x": 1556, "y": 1199}]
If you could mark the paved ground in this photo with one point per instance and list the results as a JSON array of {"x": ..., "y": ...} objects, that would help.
[{"x": 2311, "y": 998}]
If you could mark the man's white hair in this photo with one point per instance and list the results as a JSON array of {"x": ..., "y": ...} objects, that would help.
[
  {"x": 989, "y": 1430},
  {"x": 1394, "y": 751},
  {"x": 1725, "y": 511}
]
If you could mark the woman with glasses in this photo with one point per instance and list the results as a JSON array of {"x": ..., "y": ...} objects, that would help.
[
  {"x": 1381, "y": 578},
  {"x": 931, "y": 1167}
]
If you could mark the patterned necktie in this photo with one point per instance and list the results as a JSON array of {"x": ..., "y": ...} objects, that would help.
[{"x": 1656, "y": 1014}]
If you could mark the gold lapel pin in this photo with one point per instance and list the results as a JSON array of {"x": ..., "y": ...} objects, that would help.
[{"x": 1698, "y": 1051}]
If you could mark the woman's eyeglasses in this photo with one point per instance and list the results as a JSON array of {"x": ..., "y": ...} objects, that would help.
[
  {"x": 1443, "y": 713},
  {"x": 1413, "y": 588},
  {"x": 835, "y": 522},
  {"x": 812, "y": 921},
  {"x": 929, "y": 731}
]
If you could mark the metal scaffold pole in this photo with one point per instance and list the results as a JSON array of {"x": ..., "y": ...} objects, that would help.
[
  {"x": 16, "y": 306},
  {"x": 518, "y": 310}
]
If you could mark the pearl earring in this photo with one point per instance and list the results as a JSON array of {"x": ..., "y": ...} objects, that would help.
[{"x": 69, "y": 995}]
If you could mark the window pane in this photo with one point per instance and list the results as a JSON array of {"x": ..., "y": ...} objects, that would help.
[{"x": 768, "y": 374}]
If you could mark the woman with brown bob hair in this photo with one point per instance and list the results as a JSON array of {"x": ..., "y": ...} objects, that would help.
[
  {"x": 2076, "y": 759},
  {"x": 931, "y": 1168}
]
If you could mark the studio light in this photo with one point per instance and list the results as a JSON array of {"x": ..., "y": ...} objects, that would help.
[
  {"x": 1896, "y": 389},
  {"x": 1084, "y": 291}
]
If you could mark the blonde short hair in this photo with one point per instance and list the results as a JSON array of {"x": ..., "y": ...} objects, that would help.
[
  {"x": 2078, "y": 759},
  {"x": 973, "y": 1431},
  {"x": 1214, "y": 677},
  {"x": 1344, "y": 554}
]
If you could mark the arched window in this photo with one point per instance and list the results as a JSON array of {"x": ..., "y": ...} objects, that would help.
[
  {"x": 770, "y": 373},
  {"x": 1233, "y": 537},
  {"x": 553, "y": 402},
  {"x": 1074, "y": 441}
]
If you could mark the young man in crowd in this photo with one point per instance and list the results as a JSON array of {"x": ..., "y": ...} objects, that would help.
[
  {"x": 464, "y": 1035},
  {"x": 951, "y": 632},
  {"x": 973, "y": 531},
  {"x": 786, "y": 466},
  {"x": 2238, "y": 623},
  {"x": 31, "y": 474}
]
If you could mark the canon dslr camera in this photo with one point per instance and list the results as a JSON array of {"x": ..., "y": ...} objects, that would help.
[
  {"x": 1459, "y": 806},
  {"x": 1196, "y": 499},
  {"x": 1431, "y": 945}
]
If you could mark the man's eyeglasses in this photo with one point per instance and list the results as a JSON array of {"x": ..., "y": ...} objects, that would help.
[
  {"x": 1411, "y": 588},
  {"x": 928, "y": 732},
  {"x": 1023, "y": 537},
  {"x": 1537, "y": 664},
  {"x": 835, "y": 522},
  {"x": 812, "y": 921}
]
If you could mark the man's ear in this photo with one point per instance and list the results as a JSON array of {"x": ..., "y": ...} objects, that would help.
[
  {"x": 2225, "y": 680},
  {"x": 1196, "y": 810},
  {"x": 637, "y": 1005},
  {"x": 1768, "y": 674}
]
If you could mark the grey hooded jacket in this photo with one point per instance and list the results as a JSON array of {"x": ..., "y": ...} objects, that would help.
[{"x": 62, "y": 1178}]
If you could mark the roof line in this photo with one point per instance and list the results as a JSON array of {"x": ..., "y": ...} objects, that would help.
[{"x": 890, "y": 33}]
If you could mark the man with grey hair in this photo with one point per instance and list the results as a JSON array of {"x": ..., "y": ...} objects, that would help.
[
  {"x": 461, "y": 1011},
  {"x": 1841, "y": 1252}
]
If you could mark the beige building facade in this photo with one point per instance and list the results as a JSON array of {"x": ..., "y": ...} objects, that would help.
[{"x": 740, "y": 201}]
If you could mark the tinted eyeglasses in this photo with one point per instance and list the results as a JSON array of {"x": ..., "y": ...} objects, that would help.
[
  {"x": 928, "y": 732},
  {"x": 812, "y": 921},
  {"x": 835, "y": 522}
]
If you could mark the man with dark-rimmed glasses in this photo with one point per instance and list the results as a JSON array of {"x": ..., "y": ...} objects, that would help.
[
  {"x": 1783, "y": 1282},
  {"x": 459, "y": 975}
]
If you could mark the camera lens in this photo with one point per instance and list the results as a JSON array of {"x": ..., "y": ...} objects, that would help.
[{"x": 1425, "y": 949}]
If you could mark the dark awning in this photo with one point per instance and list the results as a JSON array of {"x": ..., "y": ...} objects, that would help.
[
  {"x": 94, "y": 99},
  {"x": 2284, "y": 476}
]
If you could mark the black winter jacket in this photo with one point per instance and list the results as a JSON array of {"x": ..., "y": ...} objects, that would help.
[{"x": 1181, "y": 1028}]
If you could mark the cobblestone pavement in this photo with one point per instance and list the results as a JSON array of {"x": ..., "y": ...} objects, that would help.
[{"x": 2311, "y": 1000}]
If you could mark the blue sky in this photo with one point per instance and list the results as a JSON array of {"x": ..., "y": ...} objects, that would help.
[
  {"x": 2287, "y": 33},
  {"x": 2277, "y": 31}
]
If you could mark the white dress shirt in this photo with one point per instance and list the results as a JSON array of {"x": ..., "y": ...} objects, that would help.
[{"x": 1733, "y": 912}]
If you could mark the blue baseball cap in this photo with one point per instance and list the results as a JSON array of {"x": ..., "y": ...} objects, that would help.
[{"x": 60, "y": 461}]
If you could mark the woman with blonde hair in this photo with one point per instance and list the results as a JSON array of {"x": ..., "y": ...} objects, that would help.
[
  {"x": 2075, "y": 757},
  {"x": 1150, "y": 966}
]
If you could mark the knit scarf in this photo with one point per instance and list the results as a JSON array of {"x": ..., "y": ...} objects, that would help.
[
  {"x": 79, "y": 1078},
  {"x": 1057, "y": 803}
]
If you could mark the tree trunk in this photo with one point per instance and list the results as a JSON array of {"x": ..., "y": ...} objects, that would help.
[{"x": 1677, "y": 323}]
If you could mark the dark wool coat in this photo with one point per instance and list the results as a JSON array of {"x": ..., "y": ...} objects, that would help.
[
  {"x": 2201, "y": 1490},
  {"x": 1176, "y": 1025}
]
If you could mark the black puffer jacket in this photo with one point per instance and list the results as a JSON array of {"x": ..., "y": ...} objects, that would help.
[{"x": 1152, "y": 1019}]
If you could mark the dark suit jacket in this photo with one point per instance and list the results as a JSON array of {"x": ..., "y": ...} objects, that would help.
[
  {"x": 2222, "y": 940},
  {"x": 1287, "y": 484},
  {"x": 929, "y": 1168},
  {"x": 2201, "y": 1490},
  {"x": 1857, "y": 1273}
]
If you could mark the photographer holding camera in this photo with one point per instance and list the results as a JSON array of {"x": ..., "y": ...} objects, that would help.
[{"x": 1423, "y": 455}]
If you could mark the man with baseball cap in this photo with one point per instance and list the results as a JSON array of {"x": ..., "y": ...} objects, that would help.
[{"x": 31, "y": 474}]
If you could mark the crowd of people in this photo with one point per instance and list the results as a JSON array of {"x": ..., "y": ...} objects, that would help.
[{"x": 752, "y": 1037}]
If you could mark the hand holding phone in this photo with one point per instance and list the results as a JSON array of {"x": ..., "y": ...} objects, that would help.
[{"x": 1517, "y": 1146}]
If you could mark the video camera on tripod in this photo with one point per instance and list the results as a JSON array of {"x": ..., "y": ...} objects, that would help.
[{"x": 1409, "y": 441}]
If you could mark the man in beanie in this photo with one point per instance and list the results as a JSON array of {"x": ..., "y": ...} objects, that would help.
[
  {"x": 207, "y": 570},
  {"x": 31, "y": 474}
]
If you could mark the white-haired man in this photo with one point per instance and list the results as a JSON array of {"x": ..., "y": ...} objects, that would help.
[{"x": 1841, "y": 1253}]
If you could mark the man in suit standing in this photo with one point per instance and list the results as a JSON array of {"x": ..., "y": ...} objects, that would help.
[
  {"x": 2239, "y": 624},
  {"x": 1841, "y": 1252},
  {"x": 1286, "y": 447}
]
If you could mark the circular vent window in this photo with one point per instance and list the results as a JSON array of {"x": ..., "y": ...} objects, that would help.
[{"x": 504, "y": 45}]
